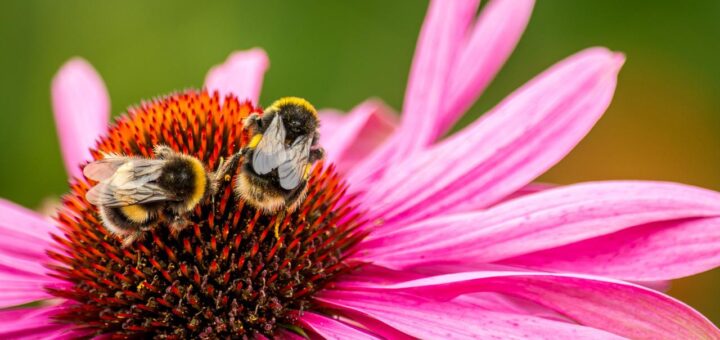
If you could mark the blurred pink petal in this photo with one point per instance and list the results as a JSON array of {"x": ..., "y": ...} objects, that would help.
[
  {"x": 333, "y": 329},
  {"x": 284, "y": 334},
  {"x": 518, "y": 140},
  {"x": 25, "y": 237},
  {"x": 420, "y": 317},
  {"x": 241, "y": 74},
  {"x": 82, "y": 109},
  {"x": 331, "y": 122},
  {"x": 656, "y": 251},
  {"x": 545, "y": 220},
  {"x": 618, "y": 307},
  {"x": 492, "y": 40},
  {"x": 33, "y": 323},
  {"x": 348, "y": 139}
]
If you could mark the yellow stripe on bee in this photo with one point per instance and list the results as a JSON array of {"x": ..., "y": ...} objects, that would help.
[
  {"x": 200, "y": 183},
  {"x": 255, "y": 141},
  {"x": 307, "y": 171},
  {"x": 135, "y": 213},
  {"x": 294, "y": 101}
]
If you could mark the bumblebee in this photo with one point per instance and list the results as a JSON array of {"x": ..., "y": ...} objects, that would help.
[
  {"x": 276, "y": 163},
  {"x": 134, "y": 193}
]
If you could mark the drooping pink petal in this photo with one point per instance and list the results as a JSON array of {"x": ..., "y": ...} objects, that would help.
[
  {"x": 241, "y": 74},
  {"x": 25, "y": 236},
  {"x": 614, "y": 306},
  {"x": 517, "y": 141},
  {"x": 656, "y": 251},
  {"x": 356, "y": 135},
  {"x": 422, "y": 318},
  {"x": 26, "y": 225},
  {"x": 492, "y": 40},
  {"x": 333, "y": 329},
  {"x": 16, "y": 292},
  {"x": 285, "y": 334},
  {"x": 34, "y": 323},
  {"x": 546, "y": 220},
  {"x": 82, "y": 108}
]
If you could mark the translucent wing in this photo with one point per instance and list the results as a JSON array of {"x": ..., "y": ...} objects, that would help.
[
  {"x": 292, "y": 170},
  {"x": 270, "y": 151},
  {"x": 104, "y": 168},
  {"x": 131, "y": 183}
]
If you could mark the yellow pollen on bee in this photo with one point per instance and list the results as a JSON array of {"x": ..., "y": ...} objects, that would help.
[
  {"x": 135, "y": 213},
  {"x": 306, "y": 174},
  {"x": 295, "y": 101},
  {"x": 255, "y": 141}
]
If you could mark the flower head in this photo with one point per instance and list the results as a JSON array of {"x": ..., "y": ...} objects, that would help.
[{"x": 411, "y": 237}]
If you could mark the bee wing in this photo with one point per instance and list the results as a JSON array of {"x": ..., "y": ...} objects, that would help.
[
  {"x": 105, "y": 194},
  {"x": 291, "y": 171},
  {"x": 131, "y": 183},
  {"x": 270, "y": 152},
  {"x": 103, "y": 169}
]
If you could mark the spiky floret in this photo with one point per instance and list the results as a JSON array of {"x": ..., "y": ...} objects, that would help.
[{"x": 226, "y": 274}]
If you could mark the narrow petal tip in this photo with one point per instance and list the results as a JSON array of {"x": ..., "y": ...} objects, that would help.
[
  {"x": 612, "y": 60},
  {"x": 619, "y": 59}
]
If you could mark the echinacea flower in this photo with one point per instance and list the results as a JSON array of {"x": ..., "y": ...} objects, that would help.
[{"x": 411, "y": 236}]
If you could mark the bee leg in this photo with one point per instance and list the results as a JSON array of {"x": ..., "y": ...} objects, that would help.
[
  {"x": 223, "y": 171},
  {"x": 129, "y": 239},
  {"x": 177, "y": 224},
  {"x": 252, "y": 122},
  {"x": 162, "y": 151},
  {"x": 278, "y": 219}
]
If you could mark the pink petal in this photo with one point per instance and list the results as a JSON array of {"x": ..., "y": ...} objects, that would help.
[
  {"x": 241, "y": 74},
  {"x": 82, "y": 109},
  {"x": 33, "y": 323},
  {"x": 23, "y": 223},
  {"x": 656, "y": 251},
  {"x": 373, "y": 274},
  {"x": 497, "y": 31},
  {"x": 439, "y": 44},
  {"x": 331, "y": 122},
  {"x": 24, "y": 237},
  {"x": 618, "y": 307},
  {"x": 332, "y": 329},
  {"x": 422, "y": 318},
  {"x": 517, "y": 141},
  {"x": 546, "y": 220},
  {"x": 531, "y": 188},
  {"x": 440, "y": 41},
  {"x": 356, "y": 135},
  {"x": 285, "y": 334}
]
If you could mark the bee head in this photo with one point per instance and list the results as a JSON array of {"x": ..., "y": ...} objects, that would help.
[{"x": 298, "y": 115}]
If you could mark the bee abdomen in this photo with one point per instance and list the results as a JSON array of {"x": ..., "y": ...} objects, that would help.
[{"x": 125, "y": 220}]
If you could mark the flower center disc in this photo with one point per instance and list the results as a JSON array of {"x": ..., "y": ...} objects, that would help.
[{"x": 227, "y": 274}]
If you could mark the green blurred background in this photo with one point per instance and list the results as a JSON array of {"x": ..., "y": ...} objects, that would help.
[{"x": 663, "y": 124}]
